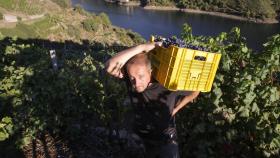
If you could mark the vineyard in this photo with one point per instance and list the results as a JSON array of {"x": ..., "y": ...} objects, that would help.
[{"x": 51, "y": 112}]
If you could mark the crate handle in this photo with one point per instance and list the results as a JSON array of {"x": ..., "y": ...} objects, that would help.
[
  {"x": 194, "y": 75},
  {"x": 200, "y": 58}
]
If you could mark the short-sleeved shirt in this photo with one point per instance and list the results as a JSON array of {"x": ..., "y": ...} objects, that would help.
[{"x": 153, "y": 108}]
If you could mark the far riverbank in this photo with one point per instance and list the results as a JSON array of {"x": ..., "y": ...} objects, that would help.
[{"x": 197, "y": 11}]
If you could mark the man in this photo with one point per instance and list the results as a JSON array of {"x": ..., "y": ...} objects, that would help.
[{"x": 154, "y": 105}]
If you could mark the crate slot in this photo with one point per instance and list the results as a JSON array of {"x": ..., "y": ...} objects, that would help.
[{"x": 200, "y": 58}]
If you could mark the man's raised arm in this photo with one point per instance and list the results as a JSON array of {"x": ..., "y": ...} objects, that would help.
[{"x": 113, "y": 66}]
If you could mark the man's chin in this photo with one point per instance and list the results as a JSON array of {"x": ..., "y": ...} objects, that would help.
[{"x": 139, "y": 90}]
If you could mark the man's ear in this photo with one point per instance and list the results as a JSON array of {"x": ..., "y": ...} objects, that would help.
[{"x": 151, "y": 70}]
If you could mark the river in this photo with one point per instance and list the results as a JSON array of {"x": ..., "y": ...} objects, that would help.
[{"x": 169, "y": 23}]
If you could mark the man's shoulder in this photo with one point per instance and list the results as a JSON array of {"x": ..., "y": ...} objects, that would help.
[{"x": 155, "y": 86}]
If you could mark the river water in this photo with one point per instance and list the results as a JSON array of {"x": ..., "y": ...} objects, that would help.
[{"x": 169, "y": 23}]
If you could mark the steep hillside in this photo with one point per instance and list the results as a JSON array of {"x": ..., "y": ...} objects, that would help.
[
  {"x": 58, "y": 23},
  {"x": 31, "y": 7}
]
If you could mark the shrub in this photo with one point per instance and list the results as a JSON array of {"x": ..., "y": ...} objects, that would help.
[
  {"x": 1, "y": 16},
  {"x": 37, "y": 91},
  {"x": 80, "y": 10},
  {"x": 241, "y": 114},
  {"x": 62, "y": 3},
  {"x": 19, "y": 18},
  {"x": 90, "y": 24},
  {"x": 73, "y": 31},
  {"x": 105, "y": 19},
  {"x": 7, "y": 4}
]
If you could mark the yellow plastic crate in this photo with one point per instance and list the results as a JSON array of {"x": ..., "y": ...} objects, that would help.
[{"x": 179, "y": 68}]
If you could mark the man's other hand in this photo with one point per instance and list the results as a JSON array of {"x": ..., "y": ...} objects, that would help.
[{"x": 114, "y": 68}]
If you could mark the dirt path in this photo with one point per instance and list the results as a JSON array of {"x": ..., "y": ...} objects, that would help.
[{"x": 10, "y": 20}]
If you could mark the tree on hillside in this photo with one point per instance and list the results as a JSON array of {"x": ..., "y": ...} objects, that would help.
[{"x": 261, "y": 8}]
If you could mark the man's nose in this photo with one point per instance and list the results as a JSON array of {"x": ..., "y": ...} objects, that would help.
[{"x": 137, "y": 82}]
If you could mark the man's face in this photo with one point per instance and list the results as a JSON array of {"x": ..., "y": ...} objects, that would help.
[{"x": 139, "y": 76}]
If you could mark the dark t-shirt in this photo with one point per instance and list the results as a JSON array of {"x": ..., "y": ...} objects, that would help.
[{"x": 153, "y": 109}]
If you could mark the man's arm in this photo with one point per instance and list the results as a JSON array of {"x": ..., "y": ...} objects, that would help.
[
  {"x": 113, "y": 66},
  {"x": 185, "y": 101}
]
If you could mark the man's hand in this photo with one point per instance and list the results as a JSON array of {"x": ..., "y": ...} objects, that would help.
[
  {"x": 158, "y": 44},
  {"x": 184, "y": 102},
  {"x": 114, "y": 68},
  {"x": 114, "y": 65}
]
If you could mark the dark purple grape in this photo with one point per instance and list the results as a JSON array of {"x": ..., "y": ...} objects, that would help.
[
  {"x": 166, "y": 42},
  {"x": 276, "y": 76}
]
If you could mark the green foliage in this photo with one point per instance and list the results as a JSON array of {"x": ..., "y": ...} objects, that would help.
[
  {"x": 160, "y": 2},
  {"x": 121, "y": 33},
  {"x": 90, "y": 24},
  {"x": 135, "y": 36},
  {"x": 1, "y": 36},
  {"x": 21, "y": 30},
  {"x": 249, "y": 8},
  {"x": 261, "y": 9},
  {"x": 1, "y": 16},
  {"x": 44, "y": 24},
  {"x": 22, "y": 6},
  {"x": 241, "y": 114},
  {"x": 73, "y": 31},
  {"x": 26, "y": 7},
  {"x": 276, "y": 4},
  {"x": 187, "y": 33},
  {"x": 6, "y": 126},
  {"x": 8, "y": 4},
  {"x": 81, "y": 10},
  {"x": 62, "y": 3},
  {"x": 66, "y": 102},
  {"x": 30, "y": 30},
  {"x": 93, "y": 23},
  {"x": 19, "y": 18},
  {"x": 105, "y": 19}
]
